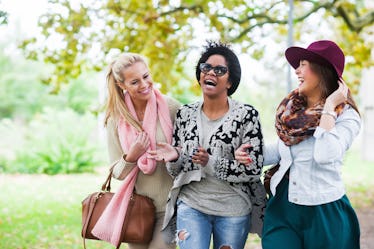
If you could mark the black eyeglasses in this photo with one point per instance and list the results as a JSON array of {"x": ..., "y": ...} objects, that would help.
[{"x": 218, "y": 70}]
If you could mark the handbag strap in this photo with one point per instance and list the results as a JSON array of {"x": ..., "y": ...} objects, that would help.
[
  {"x": 106, "y": 184},
  {"x": 93, "y": 200},
  {"x": 104, "y": 188},
  {"x": 127, "y": 218},
  {"x": 92, "y": 203}
]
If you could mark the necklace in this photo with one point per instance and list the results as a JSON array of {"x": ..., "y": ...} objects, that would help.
[{"x": 140, "y": 115}]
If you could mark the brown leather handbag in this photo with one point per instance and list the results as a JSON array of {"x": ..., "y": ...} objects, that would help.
[
  {"x": 139, "y": 220},
  {"x": 268, "y": 175}
]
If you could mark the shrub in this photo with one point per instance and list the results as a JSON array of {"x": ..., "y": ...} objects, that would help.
[{"x": 58, "y": 142}]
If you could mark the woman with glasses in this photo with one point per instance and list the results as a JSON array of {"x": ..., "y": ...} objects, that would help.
[{"x": 213, "y": 194}]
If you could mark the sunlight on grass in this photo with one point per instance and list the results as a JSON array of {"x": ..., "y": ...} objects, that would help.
[
  {"x": 45, "y": 211},
  {"x": 358, "y": 178}
]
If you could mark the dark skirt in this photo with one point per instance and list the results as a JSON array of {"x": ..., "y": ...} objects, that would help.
[{"x": 290, "y": 226}]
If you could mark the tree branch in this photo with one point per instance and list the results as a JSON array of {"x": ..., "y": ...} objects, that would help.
[
  {"x": 3, "y": 17},
  {"x": 195, "y": 8},
  {"x": 270, "y": 20},
  {"x": 358, "y": 23}
]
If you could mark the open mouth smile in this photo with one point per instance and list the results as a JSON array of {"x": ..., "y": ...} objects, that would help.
[{"x": 210, "y": 83}]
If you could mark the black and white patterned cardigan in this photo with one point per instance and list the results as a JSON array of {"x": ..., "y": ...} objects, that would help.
[{"x": 242, "y": 125}]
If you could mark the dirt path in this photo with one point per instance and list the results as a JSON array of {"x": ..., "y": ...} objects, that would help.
[{"x": 366, "y": 218}]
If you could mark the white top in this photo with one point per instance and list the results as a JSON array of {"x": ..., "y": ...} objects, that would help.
[{"x": 315, "y": 164}]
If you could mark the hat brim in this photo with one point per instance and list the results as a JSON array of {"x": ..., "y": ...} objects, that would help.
[{"x": 295, "y": 54}]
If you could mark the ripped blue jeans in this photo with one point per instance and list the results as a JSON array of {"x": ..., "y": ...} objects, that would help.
[{"x": 194, "y": 229}]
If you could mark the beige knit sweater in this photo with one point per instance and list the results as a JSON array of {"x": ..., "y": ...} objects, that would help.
[{"x": 156, "y": 185}]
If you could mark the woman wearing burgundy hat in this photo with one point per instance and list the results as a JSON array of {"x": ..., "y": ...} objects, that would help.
[{"x": 316, "y": 124}]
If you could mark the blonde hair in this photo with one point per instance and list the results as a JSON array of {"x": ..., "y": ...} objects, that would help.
[{"x": 116, "y": 106}]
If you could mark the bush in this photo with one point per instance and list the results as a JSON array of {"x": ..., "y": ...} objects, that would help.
[{"x": 57, "y": 142}]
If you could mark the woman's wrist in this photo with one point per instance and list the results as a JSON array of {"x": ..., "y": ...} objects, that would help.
[
  {"x": 328, "y": 107},
  {"x": 329, "y": 110},
  {"x": 127, "y": 159},
  {"x": 177, "y": 150},
  {"x": 329, "y": 113},
  {"x": 178, "y": 154}
]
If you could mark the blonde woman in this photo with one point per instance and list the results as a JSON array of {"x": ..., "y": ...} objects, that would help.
[{"x": 137, "y": 117}]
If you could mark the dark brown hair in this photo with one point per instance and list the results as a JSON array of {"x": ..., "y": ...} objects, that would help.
[{"x": 329, "y": 82}]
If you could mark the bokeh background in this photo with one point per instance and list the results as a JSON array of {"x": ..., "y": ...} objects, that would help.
[{"x": 53, "y": 57}]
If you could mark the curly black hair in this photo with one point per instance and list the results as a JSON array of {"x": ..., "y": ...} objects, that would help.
[{"x": 224, "y": 49}]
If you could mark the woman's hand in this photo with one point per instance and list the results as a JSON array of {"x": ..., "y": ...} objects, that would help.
[
  {"x": 138, "y": 148},
  {"x": 241, "y": 154},
  {"x": 164, "y": 152},
  {"x": 201, "y": 156},
  {"x": 337, "y": 97}
]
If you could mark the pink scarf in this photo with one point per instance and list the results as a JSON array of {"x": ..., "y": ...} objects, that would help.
[{"x": 109, "y": 225}]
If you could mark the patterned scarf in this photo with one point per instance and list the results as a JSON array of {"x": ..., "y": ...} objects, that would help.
[{"x": 294, "y": 122}]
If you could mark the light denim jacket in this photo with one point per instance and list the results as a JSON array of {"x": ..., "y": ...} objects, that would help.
[{"x": 316, "y": 163}]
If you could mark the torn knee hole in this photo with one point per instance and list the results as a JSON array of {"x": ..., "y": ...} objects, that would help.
[
  {"x": 225, "y": 247},
  {"x": 182, "y": 235}
]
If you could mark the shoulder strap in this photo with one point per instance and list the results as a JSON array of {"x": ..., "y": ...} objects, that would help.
[
  {"x": 91, "y": 205},
  {"x": 92, "y": 202}
]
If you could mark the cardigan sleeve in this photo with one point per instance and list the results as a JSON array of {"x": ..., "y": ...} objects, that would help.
[
  {"x": 184, "y": 137},
  {"x": 248, "y": 130},
  {"x": 121, "y": 168},
  {"x": 175, "y": 167}
]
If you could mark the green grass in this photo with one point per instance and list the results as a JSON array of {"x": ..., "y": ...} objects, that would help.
[
  {"x": 39, "y": 211},
  {"x": 358, "y": 178}
]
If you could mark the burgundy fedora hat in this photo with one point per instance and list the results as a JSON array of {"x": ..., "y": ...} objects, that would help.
[{"x": 322, "y": 52}]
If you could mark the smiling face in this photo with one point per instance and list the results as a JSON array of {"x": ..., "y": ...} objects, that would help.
[
  {"x": 137, "y": 82},
  {"x": 309, "y": 81},
  {"x": 211, "y": 84}
]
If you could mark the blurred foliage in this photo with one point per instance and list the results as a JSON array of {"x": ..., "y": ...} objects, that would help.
[
  {"x": 54, "y": 142},
  {"x": 45, "y": 133},
  {"x": 46, "y": 126},
  {"x": 23, "y": 95},
  {"x": 3, "y": 17},
  {"x": 78, "y": 37}
]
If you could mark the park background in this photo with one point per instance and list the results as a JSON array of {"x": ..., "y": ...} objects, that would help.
[{"x": 53, "y": 58}]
